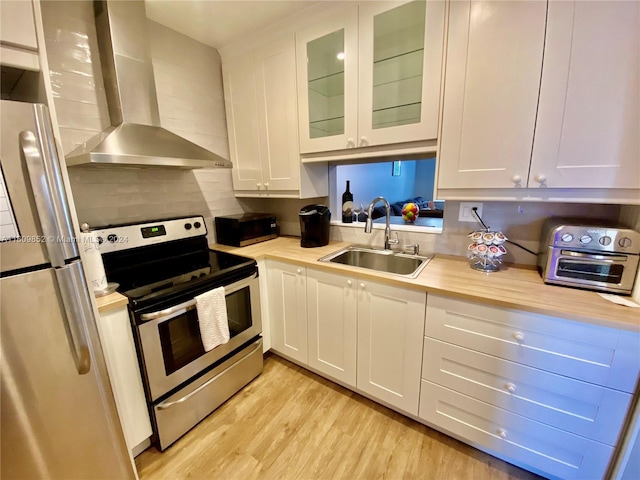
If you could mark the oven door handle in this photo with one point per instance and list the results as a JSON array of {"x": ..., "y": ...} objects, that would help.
[
  {"x": 191, "y": 304},
  {"x": 164, "y": 406},
  {"x": 188, "y": 305},
  {"x": 590, "y": 256}
]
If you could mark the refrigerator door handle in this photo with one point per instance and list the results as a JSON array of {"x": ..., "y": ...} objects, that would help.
[
  {"x": 78, "y": 311},
  {"x": 49, "y": 193}
]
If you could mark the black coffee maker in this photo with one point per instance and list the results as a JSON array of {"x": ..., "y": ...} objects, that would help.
[{"x": 314, "y": 225}]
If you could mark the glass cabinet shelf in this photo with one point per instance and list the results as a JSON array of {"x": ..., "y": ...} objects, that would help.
[
  {"x": 397, "y": 115},
  {"x": 326, "y": 127},
  {"x": 329, "y": 86}
]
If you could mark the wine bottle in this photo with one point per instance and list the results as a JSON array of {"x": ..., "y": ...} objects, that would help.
[{"x": 347, "y": 205}]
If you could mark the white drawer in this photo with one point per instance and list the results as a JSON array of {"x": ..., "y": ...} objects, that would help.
[
  {"x": 595, "y": 354},
  {"x": 583, "y": 408},
  {"x": 547, "y": 449}
]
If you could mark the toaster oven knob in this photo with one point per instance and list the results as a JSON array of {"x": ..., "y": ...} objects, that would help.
[
  {"x": 187, "y": 226},
  {"x": 605, "y": 240},
  {"x": 624, "y": 242},
  {"x": 197, "y": 225},
  {"x": 585, "y": 239},
  {"x": 567, "y": 237},
  {"x": 112, "y": 238},
  {"x": 100, "y": 240}
]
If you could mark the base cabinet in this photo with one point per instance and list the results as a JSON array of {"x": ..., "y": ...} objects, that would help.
[
  {"x": 124, "y": 373},
  {"x": 288, "y": 309},
  {"x": 548, "y": 450},
  {"x": 390, "y": 330},
  {"x": 548, "y": 394},
  {"x": 332, "y": 302}
]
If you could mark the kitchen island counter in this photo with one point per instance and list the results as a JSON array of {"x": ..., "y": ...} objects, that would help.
[{"x": 511, "y": 287}]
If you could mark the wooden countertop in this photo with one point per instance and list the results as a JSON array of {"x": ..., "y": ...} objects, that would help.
[
  {"x": 111, "y": 301},
  {"x": 516, "y": 288}
]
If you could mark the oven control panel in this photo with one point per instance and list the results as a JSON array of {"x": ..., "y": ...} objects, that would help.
[
  {"x": 596, "y": 238},
  {"x": 123, "y": 237}
]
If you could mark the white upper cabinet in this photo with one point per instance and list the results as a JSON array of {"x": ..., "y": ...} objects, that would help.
[
  {"x": 370, "y": 76},
  {"x": 589, "y": 110},
  {"x": 494, "y": 63},
  {"x": 327, "y": 72},
  {"x": 18, "y": 40},
  {"x": 260, "y": 101},
  {"x": 400, "y": 65}
]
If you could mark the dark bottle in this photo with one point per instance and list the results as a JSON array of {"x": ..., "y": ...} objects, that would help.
[{"x": 347, "y": 206}]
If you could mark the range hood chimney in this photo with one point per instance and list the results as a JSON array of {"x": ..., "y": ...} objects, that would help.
[{"x": 135, "y": 137}]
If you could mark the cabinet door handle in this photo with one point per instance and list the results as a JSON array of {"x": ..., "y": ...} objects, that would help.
[
  {"x": 502, "y": 433},
  {"x": 349, "y": 282},
  {"x": 266, "y": 186},
  {"x": 516, "y": 179},
  {"x": 510, "y": 387},
  {"x": 362, "y": 286},
  {"x": 298, "y": 270},
  {"x": 364, "y": 142},
  {"x": 519, "y": 336},
  {"x": 540, "y": 178},
  {"x": 258, "y": 185},
  {"x": 351, "y": 143}
]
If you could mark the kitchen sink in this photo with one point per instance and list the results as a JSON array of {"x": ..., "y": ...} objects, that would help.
[{"x": 387, "y": 261}]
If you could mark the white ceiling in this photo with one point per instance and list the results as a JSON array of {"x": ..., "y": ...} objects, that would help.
[{"x": 220, "y": 22}]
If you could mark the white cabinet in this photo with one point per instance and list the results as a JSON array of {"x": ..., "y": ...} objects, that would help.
[
  {"x": 494, "y": 63},
  {"x": 538, "y": 99},
  {"x": 332, "y": 307},
  {"x": 288, "y": 309},
  {"x": 119, "y": 349},
  {"x": 18, "y": 41},
  {"x": 390, "y": 331},
  {"x": 589, "y": 109},
  {"x": 547, "y": 393},
  {"x": 260, "y": 101},
  {"x": 370, "y": 76}
]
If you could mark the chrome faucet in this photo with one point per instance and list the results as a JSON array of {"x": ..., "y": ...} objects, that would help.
[{"x": 387, "y": 230}]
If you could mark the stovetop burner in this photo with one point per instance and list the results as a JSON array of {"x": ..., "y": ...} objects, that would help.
[{"x": 154, "y": 268}]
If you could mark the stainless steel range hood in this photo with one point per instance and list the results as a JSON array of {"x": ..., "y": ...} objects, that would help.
[{"x": 135, "y": 137}]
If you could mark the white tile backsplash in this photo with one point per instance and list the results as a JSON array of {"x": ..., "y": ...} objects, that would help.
[{"x": 191, "y": 103}]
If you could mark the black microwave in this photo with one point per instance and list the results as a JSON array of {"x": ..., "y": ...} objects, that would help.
[{"x": 245, "y": 229}]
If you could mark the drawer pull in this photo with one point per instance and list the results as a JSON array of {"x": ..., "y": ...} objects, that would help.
[
  {"x": 519, "y": 336},
  {"x": 502, "y": 433},
  {"x": 510, "y": 387}
]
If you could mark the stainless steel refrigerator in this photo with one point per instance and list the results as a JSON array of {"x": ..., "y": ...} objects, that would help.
[{"x": 58, "y": 413}]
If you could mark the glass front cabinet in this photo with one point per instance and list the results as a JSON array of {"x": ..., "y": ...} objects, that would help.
[{"x": 370, "y": 76}]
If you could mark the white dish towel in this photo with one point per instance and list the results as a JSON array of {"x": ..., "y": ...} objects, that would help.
[{"x": 212, "y": 318}]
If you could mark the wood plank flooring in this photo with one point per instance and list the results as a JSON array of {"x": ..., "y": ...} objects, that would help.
[{"x": 292, "y": 424}]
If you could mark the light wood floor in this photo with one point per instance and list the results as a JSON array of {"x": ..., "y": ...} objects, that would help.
[{"x": 291, "y": 424}]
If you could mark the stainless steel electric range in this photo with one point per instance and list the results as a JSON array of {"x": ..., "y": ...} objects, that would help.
[{"x": 161, "y": 266}]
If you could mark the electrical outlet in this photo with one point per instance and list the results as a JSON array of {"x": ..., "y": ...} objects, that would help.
[{"x": 466, "y": 212}]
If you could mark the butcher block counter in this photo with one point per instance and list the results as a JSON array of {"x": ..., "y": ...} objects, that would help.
[
  {"x": 516, "y": 288},
  {"x": 111, "y": 302}
]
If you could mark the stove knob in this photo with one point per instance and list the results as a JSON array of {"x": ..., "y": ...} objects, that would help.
[
  {"x": 187, "y": 226},
  {"x": 100, "y": 240},
  {"x": 585, "y": 239},
  {"x": 605, "y": 240},
  {"x": 112, "y": 238},
  {"x": 624, "y": 242},
  {"x": 567, "y": 237},
  {"x": 197, "y": 224}
]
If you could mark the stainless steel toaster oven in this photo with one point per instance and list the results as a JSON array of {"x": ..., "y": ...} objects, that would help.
[{"x": 588, "y": 255}]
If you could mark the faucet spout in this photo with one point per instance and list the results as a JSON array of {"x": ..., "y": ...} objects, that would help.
[{"x": 387, "y": 230}]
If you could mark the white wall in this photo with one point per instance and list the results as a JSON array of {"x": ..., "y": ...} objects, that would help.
[{"x": 191, "y": 103}]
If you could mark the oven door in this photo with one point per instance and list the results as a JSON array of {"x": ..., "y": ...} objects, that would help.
[
  {"x": 170, "y": 339},
  {"x": 602, "y": 271}
]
